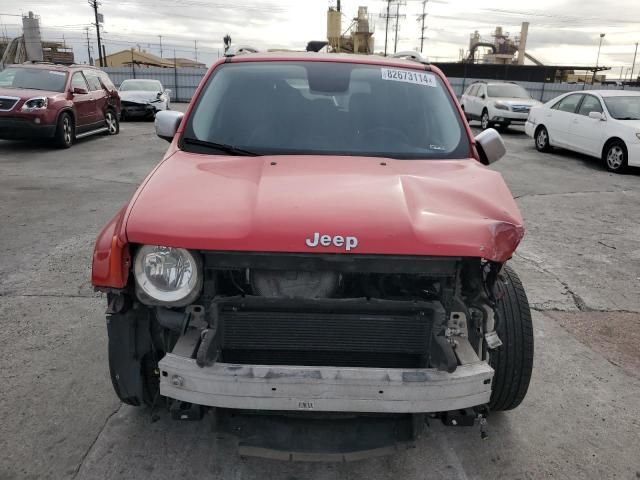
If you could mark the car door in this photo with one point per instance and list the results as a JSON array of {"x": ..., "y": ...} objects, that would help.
[
  {"x": 82, "y": 102},
  {"x": 585, "y": 133},
  {"x": 466, "y": 98},
  {"x": 99, "y": 95},
  {"x": 479, "y": 100},
  {"x": 558, "y": 118}
]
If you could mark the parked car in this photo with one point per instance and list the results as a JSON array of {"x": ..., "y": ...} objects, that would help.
[
  {"x": 321, "y": 254},
  {"x": 601, "y": 123},
  {"x": 497, "y": 104},
  {"x": 143, "y": 98},
  {"x": 63, "y": 103}
]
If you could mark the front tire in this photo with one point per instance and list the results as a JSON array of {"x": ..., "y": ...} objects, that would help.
[
  {"x": 513, "y": 361},
  {"x": 542, "y": 140},
  {"x": 484, "y": 120},
  {"x": 65, "y": 131},
  {"x": 615, "y": 156},
  {"x": 112, "y": 123}
]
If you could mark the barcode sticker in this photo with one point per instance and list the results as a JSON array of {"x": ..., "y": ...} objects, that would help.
[{"x": 409, "y": 76}]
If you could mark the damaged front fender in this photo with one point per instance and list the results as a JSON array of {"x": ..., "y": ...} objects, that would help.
[{"x": 111, "y": 258}]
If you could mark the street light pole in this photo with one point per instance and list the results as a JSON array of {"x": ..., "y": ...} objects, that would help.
[
  {"x": 593, "y": 77},
  {"x": 633, "y": 67}
]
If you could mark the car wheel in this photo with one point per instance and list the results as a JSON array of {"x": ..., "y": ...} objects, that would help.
[
  {"x": 65, "y": 131},
  {"x": 615, "y": 156},
  {"x": 133, "y": 362},
  {"x": 513, "y": 361},
  {"x": 542, "y": 140},
  {"x": 484, "y": 120},
  {"x": 111, "y": 120}
]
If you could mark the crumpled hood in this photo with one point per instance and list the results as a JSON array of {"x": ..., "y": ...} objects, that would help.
[
  {"x": 278, "y": 204},
  {"x": 138, "y": 96}
]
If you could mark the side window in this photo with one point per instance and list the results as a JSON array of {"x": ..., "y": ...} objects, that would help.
[
  {"x": 568, "y": 104},
  {"x": 474, "y": 90},
  {"x": 93, "y": 81},
  {"x": 590, "y": 104},
  {"x": 106, "y": 81},
  {"x": 482, "y": 90},
  {"x": 469, "y": 90},
  {"x": 78, "y": 81}
]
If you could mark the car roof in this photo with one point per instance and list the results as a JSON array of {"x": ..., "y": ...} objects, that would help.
[
  {"x": 141, "y": 80},
  {"x": 53, "y": 66},
  {"x": 615, "y": 93},
  {"x": 329, "y": 57}
]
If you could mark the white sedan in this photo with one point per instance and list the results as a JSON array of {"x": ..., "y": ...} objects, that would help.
[{"x": 601, "y": 123}]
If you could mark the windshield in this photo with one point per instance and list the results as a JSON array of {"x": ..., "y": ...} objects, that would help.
[
  {"x": 624, "y": 108},
  {"x": 508, "y": 90},
  {"x": 141, "y": 85},
  {"x": 33, "y": 79},
  {"x": 285, "y": 108}
]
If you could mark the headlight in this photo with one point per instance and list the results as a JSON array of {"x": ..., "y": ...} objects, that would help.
[
  {"x": 36, "y": 103},
  {"x": 167, "y": 276},
  {"x": 501, "y": 106}
]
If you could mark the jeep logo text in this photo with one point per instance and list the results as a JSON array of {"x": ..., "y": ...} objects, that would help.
[{"x": 348, "y": 243}]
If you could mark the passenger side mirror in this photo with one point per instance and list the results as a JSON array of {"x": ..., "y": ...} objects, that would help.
[
  {"x": 80, "y": 91},
  {"x": 483, "y": 96},
  {"x": 159, "y": 94},
  {"x": 167, "y": 123},
  {"x": 490, "y": 146},
  {"x": 597, "y": 116}
]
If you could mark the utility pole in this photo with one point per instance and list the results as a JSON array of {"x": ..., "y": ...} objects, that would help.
[
  {"x": 195, "y": 49},
  {"x": 86, "y": 31},
  {"x": 94, "y": 4},
  {"x": 397, "y": 15},
  {"x": 160, "y": 36},
  {"x": 386, "y": 29},
  {"x": 423, "y": 17},
  {"x": 633, "y": 66},
  {"x": 593, "y": 77}
]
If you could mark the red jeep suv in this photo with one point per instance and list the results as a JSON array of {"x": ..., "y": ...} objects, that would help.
[
  {"x": 43, "y": 100},
  {"x": 320, "y": 261}
]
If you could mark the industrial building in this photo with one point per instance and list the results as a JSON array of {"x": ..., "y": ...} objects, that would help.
[
  {"x": 360, "y": 32},
  {"x": 30, "y": 47}
]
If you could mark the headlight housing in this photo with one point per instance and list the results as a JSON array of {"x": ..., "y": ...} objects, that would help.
[
  {"x": 501, "y": 106},
  {"x": 167, "y": 276},
  {"x": 35, "y": 103}
]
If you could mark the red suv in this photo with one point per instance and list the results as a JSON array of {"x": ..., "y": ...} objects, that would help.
[
  {"x": 43, "y": 100},
  {"x": 320, "y": 260}
]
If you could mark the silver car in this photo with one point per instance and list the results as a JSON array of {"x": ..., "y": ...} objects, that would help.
[{"x": 143, "y": 98}]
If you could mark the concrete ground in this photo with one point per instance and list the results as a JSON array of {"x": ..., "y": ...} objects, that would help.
[{"x": 59, "y": 418}]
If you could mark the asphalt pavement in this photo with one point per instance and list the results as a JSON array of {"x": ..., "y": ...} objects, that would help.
[{"x": 59, "y": 418}]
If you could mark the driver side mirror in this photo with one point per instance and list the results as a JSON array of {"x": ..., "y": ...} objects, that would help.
[
  {"x": 167, "y": 123},
  {"x": 597, "y": 116},
  {"x": 483, "y": 96},
  {"x": 80, "y": 91},
  {"x": 490, "y": 146}
]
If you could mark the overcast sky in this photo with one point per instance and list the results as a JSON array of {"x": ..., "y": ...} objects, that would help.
[{"x": 561, "y": 31}]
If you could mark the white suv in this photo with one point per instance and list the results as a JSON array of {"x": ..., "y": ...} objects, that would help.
[{"x": 497, "y": 103}]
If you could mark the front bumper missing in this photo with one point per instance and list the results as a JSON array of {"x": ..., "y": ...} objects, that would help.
[{"x": 325, "y": 389}]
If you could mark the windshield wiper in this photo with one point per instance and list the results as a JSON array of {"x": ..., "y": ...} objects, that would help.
[{"x": 230, "y": 149}]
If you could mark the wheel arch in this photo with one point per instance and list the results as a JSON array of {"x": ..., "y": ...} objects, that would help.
[
  {"x": 610, "y": 140},
  {"x": 68, "y": 110}
]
